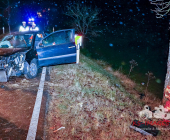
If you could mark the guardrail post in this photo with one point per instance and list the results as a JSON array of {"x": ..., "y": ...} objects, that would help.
[
  {"x": 78, "y": 53},
  {"x": 3, "y": 30}
]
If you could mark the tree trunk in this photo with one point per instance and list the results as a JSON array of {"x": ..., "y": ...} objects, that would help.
[{"x": 167, "y": 80}]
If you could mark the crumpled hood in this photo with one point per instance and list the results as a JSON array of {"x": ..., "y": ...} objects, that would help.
[{"x": 10, "y": 51}]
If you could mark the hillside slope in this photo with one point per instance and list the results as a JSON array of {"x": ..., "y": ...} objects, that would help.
[{"x": 87, "y": 102}]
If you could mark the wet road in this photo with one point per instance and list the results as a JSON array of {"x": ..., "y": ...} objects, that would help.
[{"x": 17, "y": 99}]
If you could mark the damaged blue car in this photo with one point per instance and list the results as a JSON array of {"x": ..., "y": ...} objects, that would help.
[{"x": 23, "y": 53}]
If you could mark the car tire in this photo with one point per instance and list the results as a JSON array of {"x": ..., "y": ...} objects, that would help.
[{"x": 33, "y": 70}]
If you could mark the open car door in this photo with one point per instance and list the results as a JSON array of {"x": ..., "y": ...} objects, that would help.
[{"x": 57, "y": 48}]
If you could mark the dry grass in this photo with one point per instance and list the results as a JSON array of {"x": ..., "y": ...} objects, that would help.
[
  {"x": 133, "y": 88},
  {"x": 87, "y": 102}
]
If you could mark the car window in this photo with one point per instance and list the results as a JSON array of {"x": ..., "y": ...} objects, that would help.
[
  {"x": 58, "y": 38},
  {"x": 68, "y": 36},
  {"x": 54, "y": 39},
  {"x": 17, "y": 41},
  {"x": 7, "y": 38}
]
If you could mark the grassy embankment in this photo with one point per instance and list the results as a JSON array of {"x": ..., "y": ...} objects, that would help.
[{"x": 94, "y": 102}]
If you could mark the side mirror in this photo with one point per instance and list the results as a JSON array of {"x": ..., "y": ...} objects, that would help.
[{"x": 41, "y": 45}]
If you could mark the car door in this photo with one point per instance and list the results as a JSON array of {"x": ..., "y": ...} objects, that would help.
[{"x": 57, "y": 48}]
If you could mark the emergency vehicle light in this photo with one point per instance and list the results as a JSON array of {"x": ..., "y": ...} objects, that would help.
[{"x": 31, "y": 19}]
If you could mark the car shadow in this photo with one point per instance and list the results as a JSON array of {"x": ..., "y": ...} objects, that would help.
[{"x": 9, "y": 130}]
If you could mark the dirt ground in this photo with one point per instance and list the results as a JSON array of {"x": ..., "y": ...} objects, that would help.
[{"x": 17, "y": 99}]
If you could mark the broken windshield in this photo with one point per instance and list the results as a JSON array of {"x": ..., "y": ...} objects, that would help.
[{"x": 17, "y": 41}]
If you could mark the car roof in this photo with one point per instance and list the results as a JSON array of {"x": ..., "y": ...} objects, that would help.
[
  {"x": 33, "y": 32},
  {"x": 22, "y": 33}
]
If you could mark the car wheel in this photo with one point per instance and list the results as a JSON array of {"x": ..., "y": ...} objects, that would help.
[{"x": 33, "y": 70}]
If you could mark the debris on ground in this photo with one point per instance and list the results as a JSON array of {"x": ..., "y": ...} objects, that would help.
[
  {"x": 59, "y": 129},
  {"x": 144, "y": 128},
  {"x": 142, "y": 83},
  {"x": 147, "y": 113}
]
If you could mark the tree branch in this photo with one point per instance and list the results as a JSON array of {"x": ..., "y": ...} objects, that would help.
[
  {"x": 84, "y": 18},
  {"x": 162, "y": 9}
]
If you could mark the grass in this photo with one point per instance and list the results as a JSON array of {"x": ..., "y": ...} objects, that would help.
[{"x": 92, "y": 101}]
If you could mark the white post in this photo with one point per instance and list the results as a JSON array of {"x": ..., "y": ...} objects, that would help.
[
  {"x": 3, "y": 30},
  {"x": 53, "y": 29},
  {"x": 78, "y": 53}
]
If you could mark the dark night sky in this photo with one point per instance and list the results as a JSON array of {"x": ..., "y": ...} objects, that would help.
[{"x": 113, "y": 12}]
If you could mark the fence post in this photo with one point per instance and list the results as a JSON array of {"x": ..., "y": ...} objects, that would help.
[
  {"x": 78, "y": 53},
  {"x": 3, "y": 30}
]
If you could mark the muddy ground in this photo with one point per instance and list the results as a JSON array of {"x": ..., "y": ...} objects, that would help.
[{"x": 17, "y": 99}]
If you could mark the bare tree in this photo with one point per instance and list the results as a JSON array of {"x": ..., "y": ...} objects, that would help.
[
  {"x": 133, "y": 63},
  {"x": 150, "y": 77},
  {"x": 162, "y": 9},
  {"x": 85, "y": 19}
]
